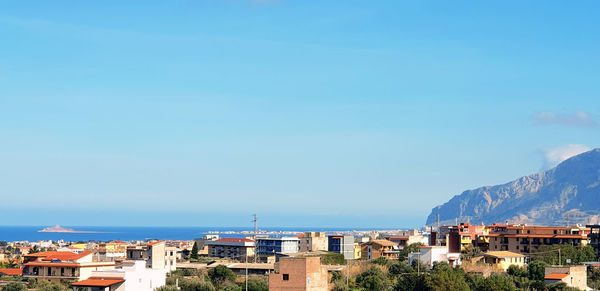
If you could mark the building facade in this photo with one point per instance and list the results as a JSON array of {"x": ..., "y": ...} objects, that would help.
[
  {"x": 527, "y": 239},
  {"x": 233, "y": 248},
  {"x": 268, "y": 246},
  {"x": 313, "y": 241},
  {"x": 299, "y": 274},
  {"x": 341, "y": 245},
  {"x": 379, "y": 248},
  {"x": 133, "y": 276},
  {"x": 157, "y": 255},
  {"x": 573, "y": 276},
  {"x": 62, "y": 266}
]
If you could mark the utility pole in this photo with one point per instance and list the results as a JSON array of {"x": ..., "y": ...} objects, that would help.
[
  {"x": 247, "y": 269},
  {"x": 559, "y": 258}
]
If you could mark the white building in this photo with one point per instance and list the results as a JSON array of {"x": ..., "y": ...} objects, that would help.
[
  {"x": 134, "y": 276},
  {"x": 431, "y": 254},
  {"x": 157, "y": 255}
]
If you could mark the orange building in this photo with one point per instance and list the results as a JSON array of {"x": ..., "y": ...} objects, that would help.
[
  {"x": 299, "y": 274},
  {"x": 526, "y": 239}
]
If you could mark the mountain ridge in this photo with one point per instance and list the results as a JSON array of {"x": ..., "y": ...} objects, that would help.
[{"x": 569, "y": 191}]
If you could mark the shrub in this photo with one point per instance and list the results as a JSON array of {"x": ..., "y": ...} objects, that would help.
[
  {"x": 381, "y": 261},
  {"x": 14, "y": 286},
  {"x": 372, "y": 279},
  {"x": 221, "y": 274}
]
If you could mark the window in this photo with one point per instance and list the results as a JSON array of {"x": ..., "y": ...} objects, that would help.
[{"x": 286, "y": 277}]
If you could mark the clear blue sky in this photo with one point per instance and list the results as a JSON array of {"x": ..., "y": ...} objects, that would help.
[{"x": 309, "y": 113}]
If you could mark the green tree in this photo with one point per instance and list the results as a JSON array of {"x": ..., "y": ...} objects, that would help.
[
  {"x": 43, "y": 285},
  {"x": 445, "y": 277},
  {"x": 576, "y": 255},
  {"x": 497, "y": 283},
  {"x": 258, "y": 284},
  {"x": 381, "y": 261},
  {"x": 339, "y": 285},
  {"x": 194, "y": 254},
  {"x": 517, "y": 271},
  {"x": 167, "y": 288},
  {"x": 399, "y": 268},
  {"x": 372, "y": 279},
  {"x": 14, "y": 286},
  {"x": 593, "y": 278},
  {"x": 469, "y": 253},
  {"x": 196, "y": 284},
  {"x": 411, "y": 248},
  {"x": 220, "y": 275},
  {"x": 34, "y": 250},
  {"x": 536, "y": 270},
  {"x": 410, "y": 282}
]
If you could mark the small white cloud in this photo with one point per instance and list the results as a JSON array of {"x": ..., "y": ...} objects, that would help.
[
  {"x": 575, "y": 119},
  {"x": 555, "y": 155}
]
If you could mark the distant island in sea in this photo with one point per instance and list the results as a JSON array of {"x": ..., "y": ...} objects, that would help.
[{"x": 58, "y": 228}]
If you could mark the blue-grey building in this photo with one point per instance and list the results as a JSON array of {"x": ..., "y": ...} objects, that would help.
[
  {"x": 267, "y": 246},
  {"x": 341, "y": 244}
]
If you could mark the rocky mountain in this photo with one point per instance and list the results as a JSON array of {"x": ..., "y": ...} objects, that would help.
[{"x": 568, "y": 193}]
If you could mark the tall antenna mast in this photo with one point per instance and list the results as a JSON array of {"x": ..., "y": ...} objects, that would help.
[
  {"x": 255, "y": 220},
  {"x": 437, "y": 234}
]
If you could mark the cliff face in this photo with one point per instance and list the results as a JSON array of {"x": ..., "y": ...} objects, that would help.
[{"x": 570, "y": 191}]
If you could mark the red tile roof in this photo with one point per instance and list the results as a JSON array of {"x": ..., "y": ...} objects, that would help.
[
  {"x": 98, "y": 282},
  {"x": 51, "y": 264},
  {"x": 233, "y": 239},
  {"x": 556, "y": 276},
  {"x": 11, "y": 272},
  {"x": 155, "y": 243},
  {"x": 61, "y": 256}
]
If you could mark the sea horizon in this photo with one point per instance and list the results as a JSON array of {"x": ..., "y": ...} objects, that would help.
[{"x": 135, "y": 233}]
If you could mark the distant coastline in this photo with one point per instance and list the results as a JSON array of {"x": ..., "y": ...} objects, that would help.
[{"x": 59, "y": 229}]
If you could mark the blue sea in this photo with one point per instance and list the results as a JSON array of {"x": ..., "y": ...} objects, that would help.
[{"x": 108, "y": 233}]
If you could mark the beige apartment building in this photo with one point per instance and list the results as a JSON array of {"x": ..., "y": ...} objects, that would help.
[
  {"x": 62, "y": 266},
  {"x": 157, "y": 255},
  {"x": 379, "y": 248},
  {"x": 526, "y": 239},
  {"x": 299, "y": 274},
  {"x": 313, "y": 241}
]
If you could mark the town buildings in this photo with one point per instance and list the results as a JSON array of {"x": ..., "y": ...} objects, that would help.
[
  {"x": 594, "y": 238},
  {"x": 342, "y": 245},
  {"x": 299, "y": 274},
  {"x": 379, "y": 248},
  {"x": 266, "y": 246},
  {"x": 62, "y": 266},
  {"x": 573, "y": 276},
  {"x": 157, "y": 255},
  {"x": 428, "y": 255},
  {"x": 526, "y": 239},
  {"x": 133, "y": 276},
  {"x": 233, "y": 248},
  {"x": 313, "y": 241},
  {"x": 503, "y": 259}
]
